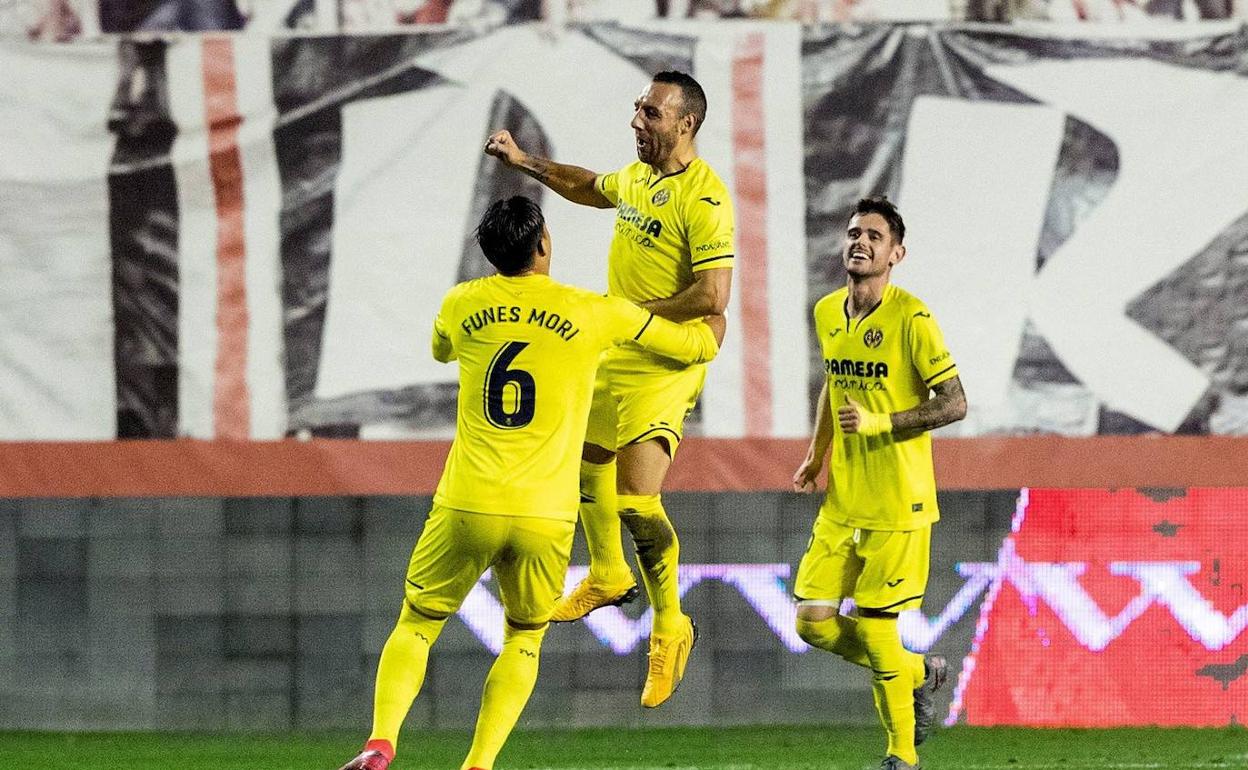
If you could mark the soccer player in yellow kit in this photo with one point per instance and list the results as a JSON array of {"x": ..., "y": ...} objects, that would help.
[
  {"x": 889, "y": 380},
  {"x": 672, "y": 253},
  {"x": 527, "y": 348}
]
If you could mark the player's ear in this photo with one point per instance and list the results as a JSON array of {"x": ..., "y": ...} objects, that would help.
[
  {"x": 543, "y": 243},
  {"x": 899, "y": 253}
]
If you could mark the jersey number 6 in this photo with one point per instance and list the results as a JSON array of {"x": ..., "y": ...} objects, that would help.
[{"x": 524, "y": 390}]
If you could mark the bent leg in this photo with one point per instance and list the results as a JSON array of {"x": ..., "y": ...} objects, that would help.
[
  {"x": 600, "y": 517},
  {"x": 820, "y": 624},
  {"x": 642, "y": 470}
]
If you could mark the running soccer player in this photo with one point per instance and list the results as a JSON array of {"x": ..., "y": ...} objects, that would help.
[
  {"x": 527, "y": 348},
  {"x": 889, "y": 381},
  {"x": 672, "y": 253}
]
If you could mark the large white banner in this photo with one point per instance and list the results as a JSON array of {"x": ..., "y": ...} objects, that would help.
[{"x": 247, "y": 237}]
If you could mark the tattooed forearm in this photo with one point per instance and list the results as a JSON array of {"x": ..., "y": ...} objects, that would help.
[
  {"x": 948, "y": 405},
  {"x": 572, "y": 182}
]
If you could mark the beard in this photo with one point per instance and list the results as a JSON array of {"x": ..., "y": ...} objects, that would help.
[{"x": 656, "y": 149}]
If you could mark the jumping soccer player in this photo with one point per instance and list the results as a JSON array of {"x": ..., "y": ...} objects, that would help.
[
  {"x": 889, "y": 380},
  {"x": 527, "y": 349},
  {"x": 672, "y": 253}
]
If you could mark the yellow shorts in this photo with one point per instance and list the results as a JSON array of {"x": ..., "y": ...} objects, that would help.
[
  {"x": 879, "y": 569},
  {"x": 634, "y": 404},
  {"x": 529, "y": 556}
]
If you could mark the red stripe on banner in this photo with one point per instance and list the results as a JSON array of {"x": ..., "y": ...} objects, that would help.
[
  {"x": 231, "y": 412},
  {"x": 342, "y": 467},
  {"x": 750, "y": 175}
]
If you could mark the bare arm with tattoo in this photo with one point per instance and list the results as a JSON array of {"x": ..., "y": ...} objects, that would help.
[
  {"x": 572, "y": 182},
  {"x": 947, "y": 405}
]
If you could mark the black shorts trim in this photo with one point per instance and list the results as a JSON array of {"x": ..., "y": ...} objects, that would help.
[
  {"x": 653, "y": 433},
  {"x": 887, "y": 607}
]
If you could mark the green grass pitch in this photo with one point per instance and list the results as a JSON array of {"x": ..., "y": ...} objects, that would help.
[{"x": 738, "y": 748}]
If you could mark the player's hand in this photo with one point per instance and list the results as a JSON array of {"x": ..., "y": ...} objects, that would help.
[
  {"x": 502, "y": 146},
  {"x": 854, "y": 418},
  {"x": 807, "y": 473},
  {"x": 719, "y": 326}
]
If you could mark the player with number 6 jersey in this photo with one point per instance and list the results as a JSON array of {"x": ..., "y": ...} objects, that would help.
[{"x": 528, "y": 348}]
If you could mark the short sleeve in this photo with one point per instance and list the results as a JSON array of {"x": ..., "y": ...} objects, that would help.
[
  {"x": 932, "y": 358},
  {"x": 609, "y": 186},
  {"x": 690, "y": 343},
  {"x": 443, "y": 346},
  {"x": 710, "y": 225},
  {"x": 624, "y": 320}
]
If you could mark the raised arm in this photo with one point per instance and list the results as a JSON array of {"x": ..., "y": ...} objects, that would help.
[
  {"x": 572, "y": 182},
  {"x": 707, "y": 295}
]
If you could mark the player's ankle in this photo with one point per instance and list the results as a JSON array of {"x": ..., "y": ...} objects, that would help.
[
  {"x": 611, "y": 576},
  {"x": 382, "y": 746}
]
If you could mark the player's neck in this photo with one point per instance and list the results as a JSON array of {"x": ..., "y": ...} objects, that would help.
[
  {"x": 677, "y": 162},
  {"x": 865, "y": 293}
]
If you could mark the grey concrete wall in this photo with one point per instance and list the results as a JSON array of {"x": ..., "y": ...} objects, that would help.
[{"x": 270, "y": 613}]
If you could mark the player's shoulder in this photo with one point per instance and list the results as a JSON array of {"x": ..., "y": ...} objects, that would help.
[
  {"x": 636, "y": 171},
  {"x": 832, "y": 302},
  {"x": 467, "y": 288},
  {"x": 702, "y": 179},
  {"x": 907, "y": 304},
  {"x": 575, "y": 296}
]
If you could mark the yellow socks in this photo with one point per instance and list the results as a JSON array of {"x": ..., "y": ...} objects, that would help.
[
  {"x": 607, "y": 563},
  {"x": 401, "y": 672},
  {"x": 892, "y": 683},
  {"x": 837, "y": 634},
  {"x": 507, "y": 690},
  {"x": 658, "y": 554}
]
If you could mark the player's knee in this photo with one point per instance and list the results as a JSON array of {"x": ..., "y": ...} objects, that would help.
[
  {"x": 592, "y": 453},
  {"x": 524, "y": 626},
  {"x": 814, "y": 632},
  {"x": 524, "y": 638},
  {"x": 416, "y": 611},
  {"x": 824, "y": 633},
  {"x": 422, "y": 623}
]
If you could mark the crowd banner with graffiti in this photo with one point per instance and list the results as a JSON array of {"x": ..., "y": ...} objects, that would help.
[{"x": 243, "y": 238}]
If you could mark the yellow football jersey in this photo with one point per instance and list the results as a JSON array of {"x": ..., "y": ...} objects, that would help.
[
  {"x": 666, "y": 229},
  {"x": 528, "y": 348},
  {"x": 887, "y": 361}
]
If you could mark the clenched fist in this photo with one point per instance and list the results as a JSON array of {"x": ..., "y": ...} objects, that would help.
[{"x": 502, "y": 146}]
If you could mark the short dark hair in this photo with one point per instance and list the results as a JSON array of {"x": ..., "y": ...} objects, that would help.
[
  {"x": 510, "y": 232},
  {"x": 885, "y": 208},
  {"x": 691, "y": 94}
]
